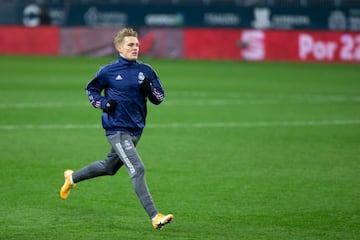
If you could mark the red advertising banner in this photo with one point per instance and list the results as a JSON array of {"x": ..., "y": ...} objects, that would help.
[
  {"x": 258, "y": 45},
  {"x": 207, "y": 43},
  {"x": 191, "y": 43},
  {"x": 329, "y": 46},
  {"x": 26, "y": 40}
]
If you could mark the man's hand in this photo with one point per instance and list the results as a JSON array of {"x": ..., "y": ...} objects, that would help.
[
  {"x": 110, "y": 106},
  {"x": 145, "y": 87}
]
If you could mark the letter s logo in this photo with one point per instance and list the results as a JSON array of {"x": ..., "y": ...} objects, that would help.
[{"x": 252, "y": 43}]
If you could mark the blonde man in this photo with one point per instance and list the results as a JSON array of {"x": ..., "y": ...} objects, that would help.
[{"x": 127, "y": 84}]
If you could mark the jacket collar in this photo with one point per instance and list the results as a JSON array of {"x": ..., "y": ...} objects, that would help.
[{"x": 124, "y": 61}]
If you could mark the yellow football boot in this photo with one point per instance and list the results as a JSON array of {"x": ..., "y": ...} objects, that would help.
[
  {"x": 160, "y": 220},
  {"x": 65, "y": 189}
]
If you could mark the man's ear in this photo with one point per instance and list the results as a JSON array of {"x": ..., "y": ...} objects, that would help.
[{"x": 118, "y": 48}]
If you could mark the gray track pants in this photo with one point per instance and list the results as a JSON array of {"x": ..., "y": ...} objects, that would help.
[{"x": 123, "y": 152}]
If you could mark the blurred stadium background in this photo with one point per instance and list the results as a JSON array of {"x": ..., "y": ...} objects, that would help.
[{"x": 255, "y": 30}]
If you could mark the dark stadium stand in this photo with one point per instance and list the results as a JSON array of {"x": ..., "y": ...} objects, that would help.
[{"x": 294, "y": 3}]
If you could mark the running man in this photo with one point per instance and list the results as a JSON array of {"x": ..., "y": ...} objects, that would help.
[{"x": 126, "y": 84}]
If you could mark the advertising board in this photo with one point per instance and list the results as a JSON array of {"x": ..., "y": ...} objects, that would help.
[
  {"x": 276, "y": 16},
  {"x": 272, "y": 45}
]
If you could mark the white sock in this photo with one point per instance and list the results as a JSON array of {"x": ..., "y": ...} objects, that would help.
[
  {"x": 154, "y": 216},
  {"x": 71, "y": 180}
]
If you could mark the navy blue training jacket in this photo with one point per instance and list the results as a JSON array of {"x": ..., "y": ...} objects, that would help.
[{"x": 120, "y": 81}]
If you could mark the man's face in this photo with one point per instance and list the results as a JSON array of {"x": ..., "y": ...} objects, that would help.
[{"x": 129, "y": 48}]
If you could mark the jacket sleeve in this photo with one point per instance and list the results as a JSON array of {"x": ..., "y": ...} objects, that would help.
[
  {"x": 157, "y": 94},
  {"x": 94, "y": 89}
]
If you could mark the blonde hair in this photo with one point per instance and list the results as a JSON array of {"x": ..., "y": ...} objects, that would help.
[{"x": 125, "y": 32}]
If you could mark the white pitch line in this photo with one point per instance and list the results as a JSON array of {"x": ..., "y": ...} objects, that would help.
[
  {"x": 306, "y": 99},
  {"x": 256, "y": 124},
  {"x": 49, "y": 126},
  {"x": 191, "y": 125},
  {"x": 41, "y": 105},
  {"x": 197, "y": 102}
]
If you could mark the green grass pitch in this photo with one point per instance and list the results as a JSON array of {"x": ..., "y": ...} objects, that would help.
[{"x": 238, "y": 150}]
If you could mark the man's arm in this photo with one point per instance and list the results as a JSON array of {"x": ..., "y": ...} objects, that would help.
[
  {"x": 93, "y": 91},
  {"x": 151, "y": 88}
]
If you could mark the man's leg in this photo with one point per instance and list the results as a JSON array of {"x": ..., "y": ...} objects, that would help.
[
  {"x": 124, "y": 145},
  {"x": 109, "y": 166}
]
